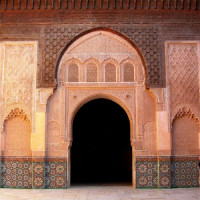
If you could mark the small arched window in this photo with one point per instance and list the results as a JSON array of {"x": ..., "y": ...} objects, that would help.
[
  {"x": 73, "y": 73},
  {"x": 128, "y": 72},
  {"x": 110, "y": 73},
  {"x": 91, "y": 73}
]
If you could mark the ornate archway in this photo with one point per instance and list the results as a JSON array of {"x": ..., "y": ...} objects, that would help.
[
  {"x": 97, "y": 65},
  {"x": 101, "y": 150}
]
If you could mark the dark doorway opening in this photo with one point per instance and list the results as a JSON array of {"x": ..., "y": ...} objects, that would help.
[{"x": 101, "y": 150}]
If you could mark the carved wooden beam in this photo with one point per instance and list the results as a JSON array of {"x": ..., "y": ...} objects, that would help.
[{"x": 99, "y": 4}]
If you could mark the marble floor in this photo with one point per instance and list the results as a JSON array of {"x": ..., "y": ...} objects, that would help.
[{"x": 104, "y": 192}]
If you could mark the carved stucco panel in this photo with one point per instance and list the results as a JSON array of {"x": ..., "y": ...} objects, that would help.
[
  {"x": 161, "y": 98},
  {"x": 42, "y": 96},
  {"x": 183, "y": 76},
  {"x": 183, "y": 73},
  {"x": 19, "y": 77},
  {"x": 56, "y": 38}
]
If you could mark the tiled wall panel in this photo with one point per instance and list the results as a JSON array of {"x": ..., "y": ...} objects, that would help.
[
  {"x": 16, "y": 174},
  {"x": 164, "y": 172},
  {"x": 38, "y": 175},
  {"x": 56, "y": 174},
  {"x": 146, "y": 173},
  {"x": 184, "y": 172}
]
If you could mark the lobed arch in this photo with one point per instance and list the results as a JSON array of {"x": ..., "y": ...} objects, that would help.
[
  {"x": 185, "y": 133},
  {"x": 15, "y": 106},
  {"x": 16, "y": 142},
  {"x": 185, "y": 110},
  {"x": 17, "y": 112}
]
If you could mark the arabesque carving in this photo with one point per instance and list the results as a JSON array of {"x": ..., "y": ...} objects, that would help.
[
  {"x": 17, "y": 113},
  {"x": 185, "y": 112},
  {"x": 55, "y": 39},
  {"x": 183, "y": 73},
  {"x": 147, "y": 41},
  {"x": 19, "y": 77}
]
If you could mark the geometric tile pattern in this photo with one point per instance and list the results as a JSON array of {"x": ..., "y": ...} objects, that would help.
[
  {"x": 35, "y": 174},
  {"x": 16, "y": 174},
  {"x": 164, "y": 174},
  {"x": 184, "y": 174},
  {"x": 38, "y": 175},
  {"x": 146, "y": 174},
  {"x": 56, "y": 175},
  {"x": 26, "y": 174}
]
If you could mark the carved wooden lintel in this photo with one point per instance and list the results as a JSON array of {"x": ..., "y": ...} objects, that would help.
[{"x": 99, "y": 5}]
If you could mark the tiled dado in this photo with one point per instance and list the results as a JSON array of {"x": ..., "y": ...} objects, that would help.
[
  {"x": 38, "y": 167},
  {"x": 164, "y": 172},
  {"x": 16, "y": 173},
  {"x": 37, "y": 173},
  {"x": 146, "y": 172},
  {"x": 56, "y": 173},
  {"x": 185, "y": 172},
  {"x": 153, "y": 172}
]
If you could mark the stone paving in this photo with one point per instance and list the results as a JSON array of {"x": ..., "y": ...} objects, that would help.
[{"x": 100, "y": 193}]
